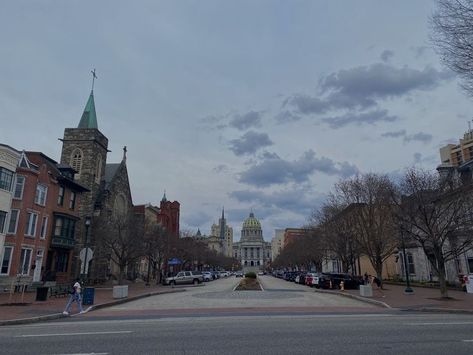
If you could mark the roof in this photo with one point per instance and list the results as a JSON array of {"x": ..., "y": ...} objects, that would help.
[
  {"x": 251, "y": 222},
  {"x": 110, "y": 171},
  {"x": 89, "y": 117}
]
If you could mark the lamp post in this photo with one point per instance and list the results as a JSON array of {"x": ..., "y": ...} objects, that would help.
[
  {"x": 408, "y": 290},
  {"x": 87, "y": 225}
]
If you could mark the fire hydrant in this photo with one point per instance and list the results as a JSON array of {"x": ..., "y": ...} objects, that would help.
[{"x": 342, "y": 286}]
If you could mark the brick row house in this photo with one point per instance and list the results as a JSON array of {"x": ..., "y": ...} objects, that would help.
[{"x": 40, "y": 234}]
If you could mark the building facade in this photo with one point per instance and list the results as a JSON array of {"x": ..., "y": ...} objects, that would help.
[
  {"x": 253, "y": 252},
  {"x": 9, "y": 158},
  {"x": 277, "y": 243},
  {"x": 222, "y": 234}
]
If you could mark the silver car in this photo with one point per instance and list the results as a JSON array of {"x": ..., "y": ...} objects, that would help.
[{"x": 185, "y": 277}]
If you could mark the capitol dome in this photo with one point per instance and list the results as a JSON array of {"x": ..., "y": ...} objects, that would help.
[
  {"x": 251, "y": 230},
  {"x": 251, "y": 222}
]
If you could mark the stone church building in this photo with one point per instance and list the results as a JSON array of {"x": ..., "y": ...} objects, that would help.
[{"x": 85, "y": 149}]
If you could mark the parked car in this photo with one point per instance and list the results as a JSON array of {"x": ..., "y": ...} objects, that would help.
[
  {"x": 300, "y": 279},
  {"x": 260, "y": 273},
  {"x": 224, "y": 273},
  {"x": 207, "y": 276},
  {"x": 239, "y": 273},
  {"x": 350, "y": 281},
  {"x": 185, "y": 277}
]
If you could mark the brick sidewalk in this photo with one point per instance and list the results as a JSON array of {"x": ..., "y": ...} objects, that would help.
[
  {"x": 422, "y": 299},
  {"x": 53, "y": 305}
]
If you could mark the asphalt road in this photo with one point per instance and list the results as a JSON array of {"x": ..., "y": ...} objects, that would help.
[
  {"x": 285, "y": 318},
  {"x": 401, "y": 333}
]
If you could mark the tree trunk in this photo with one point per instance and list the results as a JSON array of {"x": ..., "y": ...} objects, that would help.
[
  {"x": 379, "y": 272},
  {"x": 120, "y": 274},
  {"x": 442, "y": 280}
]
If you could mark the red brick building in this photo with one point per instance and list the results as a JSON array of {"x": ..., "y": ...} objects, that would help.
[
  {"x": 168, "y": 216},
  {"x": 40, "y": 231},
  {"x": 292, "y": 233}
]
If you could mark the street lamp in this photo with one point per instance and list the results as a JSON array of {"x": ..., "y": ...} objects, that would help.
[
  {"x": 408, "y": 290},
  {"x": 87, "y": 225}
]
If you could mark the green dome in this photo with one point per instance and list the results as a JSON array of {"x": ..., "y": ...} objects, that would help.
[{"x": 251, "y": 222}]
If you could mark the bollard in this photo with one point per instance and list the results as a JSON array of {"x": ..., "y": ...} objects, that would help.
[{"x": 342, "y": 286}]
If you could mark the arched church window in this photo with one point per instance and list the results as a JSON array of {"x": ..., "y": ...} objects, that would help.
[
  {"x": 76, "y": 160},
  {"x": 98, "y": 169}
]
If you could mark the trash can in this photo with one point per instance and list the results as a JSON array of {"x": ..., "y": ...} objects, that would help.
[
  {"x": 88, "y": 296},
  {"x": 42, "y": 293}
]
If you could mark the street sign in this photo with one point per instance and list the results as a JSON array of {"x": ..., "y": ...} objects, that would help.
[
  {"x": 85, "y": 264},
  {"x": 174, "y": 261}
]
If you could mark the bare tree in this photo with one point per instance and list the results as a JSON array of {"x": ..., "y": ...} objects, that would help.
[
  {"x": 123, "y": 243},
  {"x": 438, "y": 216},
  {"x": 452, "y": 36},
  {"x": 337, "y": 233},
  {"x": 156, "y": 239},
  {"x": 369, "y": 209}
]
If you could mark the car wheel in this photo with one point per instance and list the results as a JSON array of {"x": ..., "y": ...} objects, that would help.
[
  {"x": 196, "y": 282},
  {"x": 172, "y": 283}
]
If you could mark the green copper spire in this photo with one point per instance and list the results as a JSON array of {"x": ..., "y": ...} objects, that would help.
[{"x": 89, "y": 117}]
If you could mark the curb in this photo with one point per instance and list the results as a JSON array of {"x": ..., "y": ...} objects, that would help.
[
  {"x": 359, "y": 298},
  {"x": 438, "y": 310},
  {"x": 89, "y": 309}
]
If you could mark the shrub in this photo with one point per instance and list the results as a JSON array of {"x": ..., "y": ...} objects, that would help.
[{"x": 250, "y": 275}]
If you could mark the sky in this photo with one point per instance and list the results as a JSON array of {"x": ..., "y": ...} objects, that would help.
[{"x": 252, "y": 105}]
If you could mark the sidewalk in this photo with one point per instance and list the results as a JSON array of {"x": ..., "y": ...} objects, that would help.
[
  {"x": 31, "y": 310},
  {"x": 423, "y": 299}
]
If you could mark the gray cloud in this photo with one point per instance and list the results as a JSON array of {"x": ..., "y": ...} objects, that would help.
[
  {"x": 361, "y": 118},
  {"x": 419, "y": 137},
  {"x": 416, "y": 137},
  {"x": 274, "y": 170},
  {"x": 221, "y": 168},
  {"x": 386, "y": 55},
  {"x": 394, "y": 134},
  {"x": 247, "y": 120},
  {"x": 361, "y": 87},
  {"x": 297, "y": 200},
  {"x": 287, "y": 116},
  {"x": 250, "y": 143}
]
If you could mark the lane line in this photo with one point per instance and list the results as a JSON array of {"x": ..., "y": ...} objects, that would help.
[
  {"x": 71, "y": 334},
  {"x": 468, "y": 341},
  {"x": 440, "y": 323}
]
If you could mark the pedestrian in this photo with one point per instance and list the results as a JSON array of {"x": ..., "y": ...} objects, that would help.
[
  {"x": 75, "y": 297},
  {"x": 377, "y": 282},
  {"x": 366, "y": 279}
]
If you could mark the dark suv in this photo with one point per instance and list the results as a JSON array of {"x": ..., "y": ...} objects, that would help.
[{"x": 350, "y": 281}]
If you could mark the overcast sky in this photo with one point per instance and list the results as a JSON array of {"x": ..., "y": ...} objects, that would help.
[{"x": 258, "y": 105}]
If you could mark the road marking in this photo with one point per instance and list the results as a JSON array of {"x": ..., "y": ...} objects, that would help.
[
  {"x": 468, "y": 341},
  {"x": 71, "y": 334},
  {"x": 441, "y": 323},
  {"x": 84, "y": 354}
]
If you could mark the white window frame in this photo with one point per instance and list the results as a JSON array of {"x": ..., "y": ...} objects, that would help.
[
  {"x": 72, "y": 200},
  {"x": 16, "y": 222},
  {"x": 41, "y": 194},
  {"x": 23, "y": 260},
  {"x": 22, "y": 187},
  {"x": 60, "y": 196},
  {"x": 44, "y": 227},
  {"x": 9, "y": 260},
  {"x": 29, "y": 224}
]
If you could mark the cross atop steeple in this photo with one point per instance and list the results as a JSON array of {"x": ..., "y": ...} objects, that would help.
[{"x": 93, "y": 78}]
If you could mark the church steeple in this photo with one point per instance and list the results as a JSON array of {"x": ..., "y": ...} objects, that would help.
[{"x": 89, "y": 117}]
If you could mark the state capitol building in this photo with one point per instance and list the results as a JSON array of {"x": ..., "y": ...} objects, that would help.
[{"x": 252, "y": 251}]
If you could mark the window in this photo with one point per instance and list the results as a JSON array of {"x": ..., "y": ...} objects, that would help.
[
  {"x": 31, "y": 221},
  {"x": 72, "y": 200},
  {"x": 6, "y": 178},
  {"x": 470, "y": 265},
  {"x": 64, "y": 227},
  {"x": 76, "y": 160},
  {"x": 13, "y": 224},
  {"x": 62, "y": 260},
  {"x": 5, "y": 267},
  {"x": 410, "y": 264},
  {"x": 25, "y": 261},
  {"x": 60, "y": 197},
  {"x": 40, "y": 197},
  {"x": 3, "y": 219},
  {"x": 44, "y": 227},
  {"x": 19, "y": 186}
]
